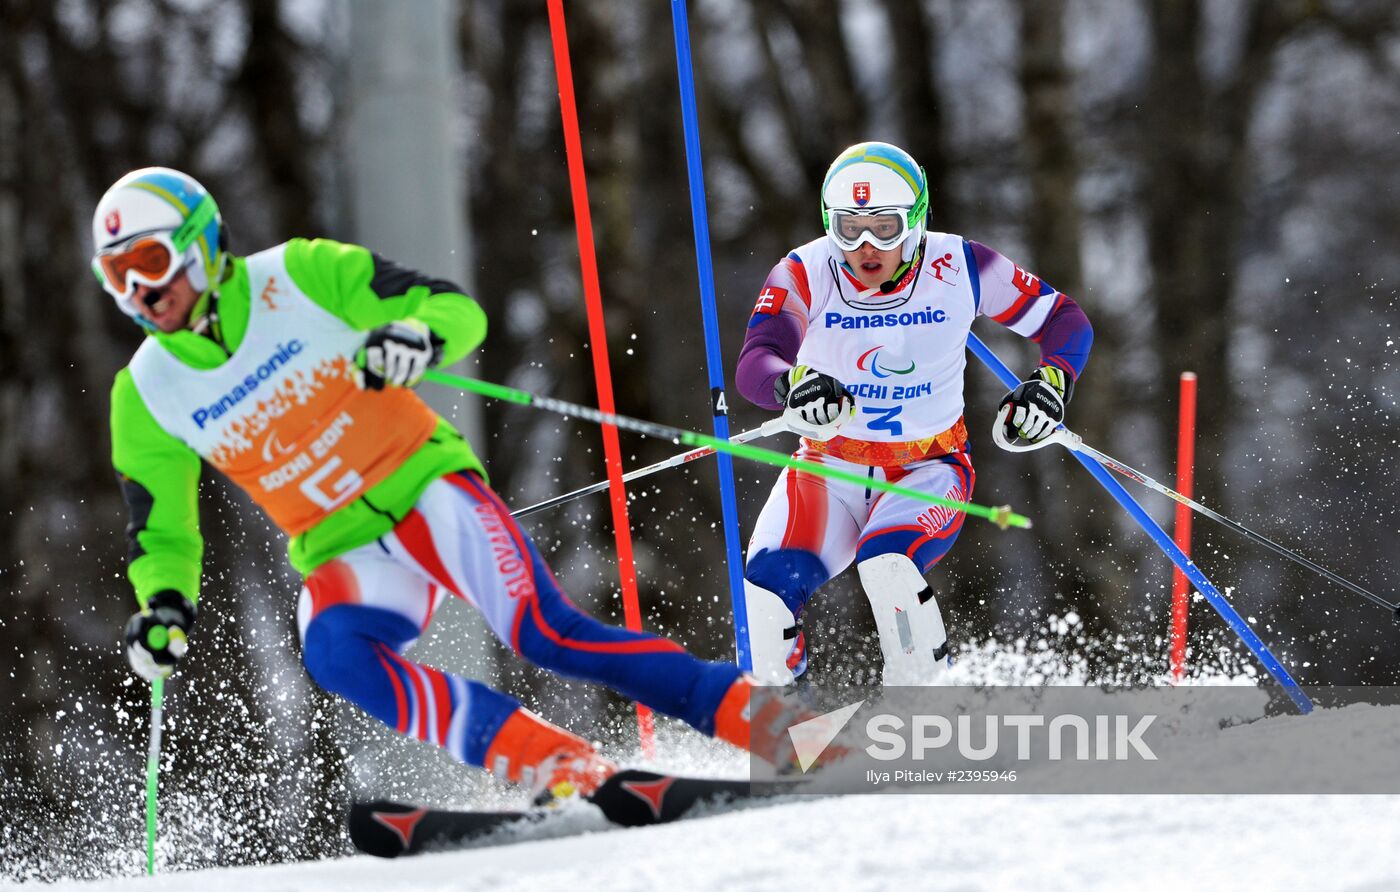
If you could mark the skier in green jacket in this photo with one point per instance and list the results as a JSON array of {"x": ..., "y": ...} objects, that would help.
[{"x": 290, "y": 370}]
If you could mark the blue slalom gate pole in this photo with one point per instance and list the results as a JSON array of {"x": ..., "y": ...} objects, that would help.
[
  {"x": 1150, "y": 526},
  {"x": 714, "y": 358}
]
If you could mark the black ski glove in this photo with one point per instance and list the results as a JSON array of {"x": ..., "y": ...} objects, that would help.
[
  {"x": 397, "y": 355},
  {"x": 815, "y": 404},
  {"x": 157, "y": 637},
  {"x": 1037, "y": 404}
]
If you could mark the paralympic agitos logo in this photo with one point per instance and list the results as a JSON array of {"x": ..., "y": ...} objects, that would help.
[
  {"x": 870, "y": 361},
  {"x": 217, "y": 409}
]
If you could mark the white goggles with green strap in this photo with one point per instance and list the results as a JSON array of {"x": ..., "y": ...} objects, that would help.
[{"x": 885, "y": 228}]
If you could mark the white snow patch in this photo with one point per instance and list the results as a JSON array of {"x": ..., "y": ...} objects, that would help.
[{"x": 973, "y": 841}]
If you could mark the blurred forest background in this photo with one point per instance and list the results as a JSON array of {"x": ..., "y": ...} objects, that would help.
[{"x": 1215, "y": 181}]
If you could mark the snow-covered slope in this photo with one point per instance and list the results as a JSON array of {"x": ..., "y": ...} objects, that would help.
[
  {"x": 907, "y": 842},
  {"x": 903, "y": 841},
  {"x": 928, "y": 841}
]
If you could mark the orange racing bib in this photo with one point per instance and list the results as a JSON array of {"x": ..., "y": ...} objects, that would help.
[{"x": 283, "y": 417}]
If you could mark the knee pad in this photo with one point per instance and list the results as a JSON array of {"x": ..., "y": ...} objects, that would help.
[
  {"x": 777, "y": 586},
  {"x": 913, "y": 640},
  {"x": 775, "y": 642}
]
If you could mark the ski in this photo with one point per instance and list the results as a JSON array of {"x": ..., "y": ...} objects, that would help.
[
  {"x": 635, "y": 798},
  {"x": 389, "y": 829},
  {"x": 630, "y": 798}
]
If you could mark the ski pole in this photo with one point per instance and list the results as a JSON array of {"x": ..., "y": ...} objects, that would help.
[
  {"x": 1002, "y": 516},
  {"x": 714, "y": 360},
  {"x": 767, "y": 429},
  {"x": 153, "y": 772},
  {"x": 1158, "y": 535},
  {"x": 1074, "y": 443}
]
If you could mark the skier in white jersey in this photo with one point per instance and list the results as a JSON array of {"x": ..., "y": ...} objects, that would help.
[{"x": 860, "y": 338}]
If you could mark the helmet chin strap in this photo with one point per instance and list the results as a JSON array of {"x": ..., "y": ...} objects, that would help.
[
  {"x": 877, "y": 297},
  {"x": 889, "y": 285},
  {"x": 146, "y": 325},
  {"x": 204, "y": 315}
]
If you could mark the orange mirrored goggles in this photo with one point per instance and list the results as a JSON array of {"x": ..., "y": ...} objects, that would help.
[{"x": 149, "y": 259}]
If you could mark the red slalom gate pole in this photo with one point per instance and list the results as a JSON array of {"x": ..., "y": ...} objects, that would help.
[
  {"x": 1185, "y": 473},
  {"x": 598, "y": 341}
]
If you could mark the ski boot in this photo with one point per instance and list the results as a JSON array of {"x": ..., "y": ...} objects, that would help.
[
  {"x": 553, "y": 763},
  {"x": 757, "y": 719}
]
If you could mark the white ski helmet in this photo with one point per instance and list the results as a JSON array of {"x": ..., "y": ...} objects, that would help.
[
  {"x": 870, "y": 177},
  {"x": 177, "y": 213}
]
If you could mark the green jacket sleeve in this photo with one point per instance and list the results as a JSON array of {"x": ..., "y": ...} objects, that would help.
[
  {"x": 368, "y": 291},
  {"x": 159, "y": 477}
]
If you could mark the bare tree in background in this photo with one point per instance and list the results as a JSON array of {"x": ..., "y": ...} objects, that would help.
[
  {"x": 97, "y": 100},
  {"x": 1077, "y": 540},
  {"x": 1199, "y": 170}
]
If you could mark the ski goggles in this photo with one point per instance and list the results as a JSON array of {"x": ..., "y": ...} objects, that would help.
[
  {"x": 885, "y": 228},
  {"x": 150, "y": 258}
]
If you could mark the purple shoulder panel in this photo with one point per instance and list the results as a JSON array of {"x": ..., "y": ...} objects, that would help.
[{"x": 770, "y": 348}]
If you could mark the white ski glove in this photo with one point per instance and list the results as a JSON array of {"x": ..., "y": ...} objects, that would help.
[
  {"x": 1037, "y": 406},
  {"x": 815, "y": 404},
  {"x": 396, "y": 355},
  {"x": 158, "y": 637}
]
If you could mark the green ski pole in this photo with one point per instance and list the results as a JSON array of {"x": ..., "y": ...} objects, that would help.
[
  {"x": 1003, "y": 516},
  {"x": 153, "y": 772}
]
